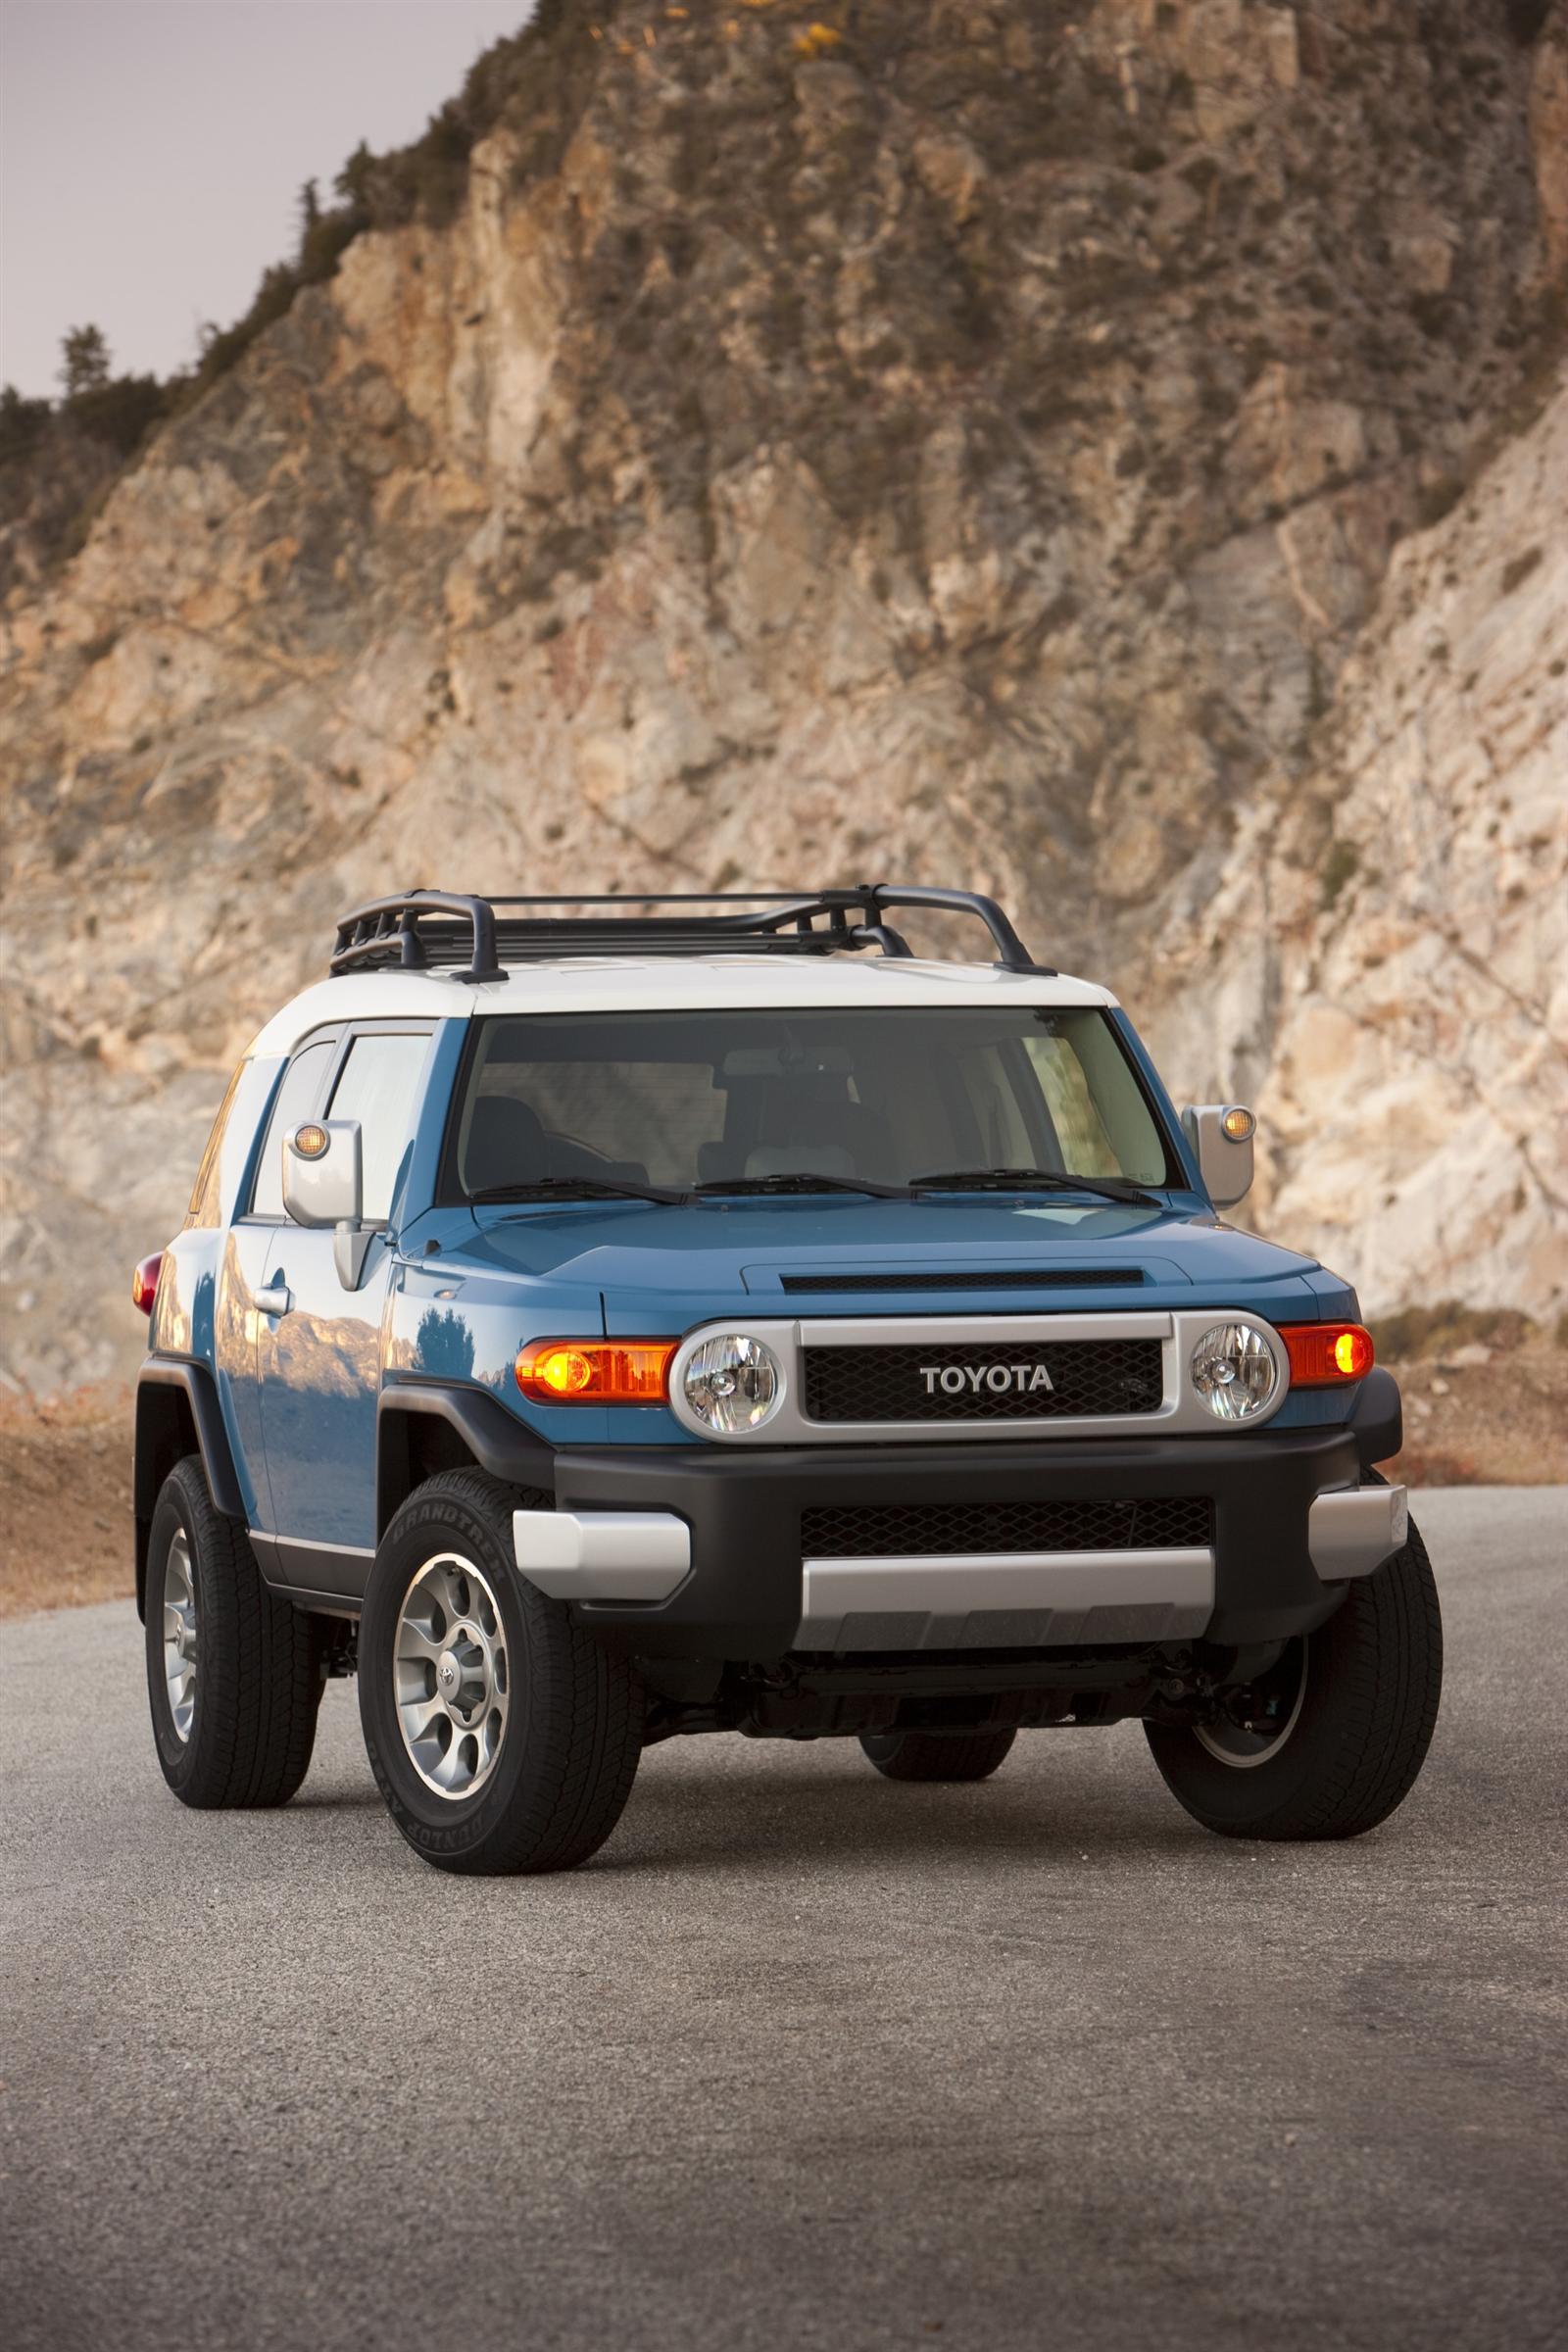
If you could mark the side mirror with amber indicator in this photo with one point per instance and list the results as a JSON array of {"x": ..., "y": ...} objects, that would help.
[
  {"x": 324, "y": 1185},
  {"x": 1221, "y": 1135}
]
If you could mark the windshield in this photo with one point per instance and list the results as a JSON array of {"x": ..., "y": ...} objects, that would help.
[{"x": 888, "y": 1096}]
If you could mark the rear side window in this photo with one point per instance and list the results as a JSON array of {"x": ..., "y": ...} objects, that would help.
[
  {"x": 380, "y": 1086},
  {"x": 205, "y": 1206},
  {"x": 303, "y": 1081}
]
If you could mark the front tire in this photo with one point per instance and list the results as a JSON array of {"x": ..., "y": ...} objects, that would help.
[
  {"x": 1342, "y": 1725},
  {"x": 937, "y": 1755},
  {"x": 503, "y": 1738},
  {"x": 233, "y": 1673}
]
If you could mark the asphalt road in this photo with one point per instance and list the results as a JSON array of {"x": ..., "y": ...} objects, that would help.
[{"x": 803, "y": 2057}]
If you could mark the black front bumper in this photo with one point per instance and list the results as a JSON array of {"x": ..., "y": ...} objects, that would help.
[{"x": 742, "y": 1599}]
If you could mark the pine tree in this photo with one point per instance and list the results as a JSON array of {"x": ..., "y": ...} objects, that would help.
[
  {"x": 84, "y": 361},
  {"x": 353, "y": 182}
]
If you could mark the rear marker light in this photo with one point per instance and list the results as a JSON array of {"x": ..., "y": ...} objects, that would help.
[
  {"x": 595, "y": 1371},
  {"x": 144, "y": 1282},
  {"x": 1322, "y": 1355}
]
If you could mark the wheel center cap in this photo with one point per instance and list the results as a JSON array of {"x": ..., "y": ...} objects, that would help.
[{"x": 461, "y": 1675}]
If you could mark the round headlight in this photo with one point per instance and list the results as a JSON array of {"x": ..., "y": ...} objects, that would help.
[
  {"x": 1233, "y": 1372},
  {"x": 733, "y": 1382}
]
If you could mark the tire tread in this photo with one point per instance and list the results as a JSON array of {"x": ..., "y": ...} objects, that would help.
[
  {"x": 939, "y": 1755},
  {"x": 585, "y": 1702},
  {"x": 1385, "y": 1647},
  {"x": 259, "y": 1666}
]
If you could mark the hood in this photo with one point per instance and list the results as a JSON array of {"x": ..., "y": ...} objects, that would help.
[{"x": 653, "y": 1263}]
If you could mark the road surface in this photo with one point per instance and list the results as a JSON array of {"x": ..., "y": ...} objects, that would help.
[{"x": 805, "y": 2057}]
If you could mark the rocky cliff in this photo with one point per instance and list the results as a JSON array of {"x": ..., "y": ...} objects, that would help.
[{"x": 1114, "y": 454}]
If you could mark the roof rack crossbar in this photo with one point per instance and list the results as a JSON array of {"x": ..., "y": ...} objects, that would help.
[
  {"x": 418, "y": 929},
  {"x": 387, "y": 931}
]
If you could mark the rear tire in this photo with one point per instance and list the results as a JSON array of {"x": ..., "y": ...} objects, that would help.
[
  {"x": 502, "y": 1736},
  {"x": 233, "y": 1673},
  {"x": 1354, "y": 1727},
  {"x": 937, "y": 1755}
]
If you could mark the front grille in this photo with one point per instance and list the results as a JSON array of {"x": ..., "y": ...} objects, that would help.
[
  {"x": 906, "y": 1384},
  {"x": 909, "y": 1530},
  {"x": 1011, "y": 1278}
]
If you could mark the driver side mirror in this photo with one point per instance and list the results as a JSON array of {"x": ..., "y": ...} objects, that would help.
[
  {"x": 1221, "y": 1136},
  {"x": 324, "y": 1185}
]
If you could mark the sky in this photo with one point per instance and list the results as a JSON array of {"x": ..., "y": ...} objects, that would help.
[{"x": 152, "y": 151}]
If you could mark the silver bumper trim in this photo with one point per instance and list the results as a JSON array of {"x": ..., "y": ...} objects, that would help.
[
  {"x": 1021, "y": 1599},
  {"x": 1355, "y": 1528},
  {"x": 603, "y": 1555}
]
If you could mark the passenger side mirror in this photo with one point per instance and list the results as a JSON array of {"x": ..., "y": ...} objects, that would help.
[
  {"x": 323, "y": 1185},
  {"x": 1221, "y": 1135}
]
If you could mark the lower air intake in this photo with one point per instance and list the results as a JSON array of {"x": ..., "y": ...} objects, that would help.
[{"x": 911, "y": 1531}]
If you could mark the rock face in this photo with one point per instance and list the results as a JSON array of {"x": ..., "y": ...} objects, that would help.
[
  {"x": 1109, "y": 453},
  {"x": 1396, "y": 921}
]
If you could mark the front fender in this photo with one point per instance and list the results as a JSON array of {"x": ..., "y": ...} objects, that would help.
[
  {"x": 424, "y": 1426},
  {"x": 1377, "y": 1418}
]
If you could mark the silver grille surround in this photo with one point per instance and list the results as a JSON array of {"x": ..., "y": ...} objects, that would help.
[{"x": 1181, "y": 1412}]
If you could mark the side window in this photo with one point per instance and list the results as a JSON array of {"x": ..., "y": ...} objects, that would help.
[
  {"x": 296, "y": 1100},
  {"x": 378, "y": 1086},
  {"x": 204, "y": 1206}
]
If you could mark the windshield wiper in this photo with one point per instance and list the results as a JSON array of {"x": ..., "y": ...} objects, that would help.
[
  {"x": 577, "y": 1188},
  {"x": 801, "y": 1180},
  {"x": 1031, "y": 1180}
]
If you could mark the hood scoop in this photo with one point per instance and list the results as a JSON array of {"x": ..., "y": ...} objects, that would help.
[{"x": 975, "y": 1278}]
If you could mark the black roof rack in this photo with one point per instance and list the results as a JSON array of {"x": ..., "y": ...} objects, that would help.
[{"x": 423, "y": 930}]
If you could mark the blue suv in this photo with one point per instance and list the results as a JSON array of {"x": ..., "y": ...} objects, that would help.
[{"x": 706, "y": 1315}]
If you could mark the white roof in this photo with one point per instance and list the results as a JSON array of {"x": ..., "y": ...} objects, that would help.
[{"x": 666, "y": 984}]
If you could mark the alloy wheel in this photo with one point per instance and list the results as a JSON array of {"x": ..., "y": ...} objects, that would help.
[
  {"x": 1255, "y": 1724},
  {"x": 180, "y": 1634},
  {"x": 450, "y": 1675}
]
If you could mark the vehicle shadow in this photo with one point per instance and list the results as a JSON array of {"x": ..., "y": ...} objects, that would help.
[
  {"x": 765, "y": 1817},
  {"x": 748, "y": 1811}
]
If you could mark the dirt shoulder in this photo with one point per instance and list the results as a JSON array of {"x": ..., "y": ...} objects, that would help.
[
  {"x": 1503, "y": 1424},
  {"x": 65, "y": 1501},
  {"x": 1477, "y": 1412},
  {"x": 1486, "y": 1398}
]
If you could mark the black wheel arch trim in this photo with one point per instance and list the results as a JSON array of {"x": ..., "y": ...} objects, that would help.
[
  {"x": 178, "y": 1412},
  {"x": 496, "y": 1439},
  {"x": 1377, "y": 1418}
]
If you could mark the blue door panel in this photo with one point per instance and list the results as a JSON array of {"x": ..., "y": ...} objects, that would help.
[
  {"x": 240, "y": 1274},
  {"x": 320, "y": 1375}
]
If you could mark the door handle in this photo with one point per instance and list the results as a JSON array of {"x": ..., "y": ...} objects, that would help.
[{"x": 276, "y": 1299}]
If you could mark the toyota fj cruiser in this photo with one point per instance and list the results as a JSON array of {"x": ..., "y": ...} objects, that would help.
[{"x": 716, "y": 1318}]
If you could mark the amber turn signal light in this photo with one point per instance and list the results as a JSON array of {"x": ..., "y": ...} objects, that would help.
[
  {"x": 144, "y": 1282},
  {"x": 595, "y": 1371},
  {"x": 1324, "y": 1354}
]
